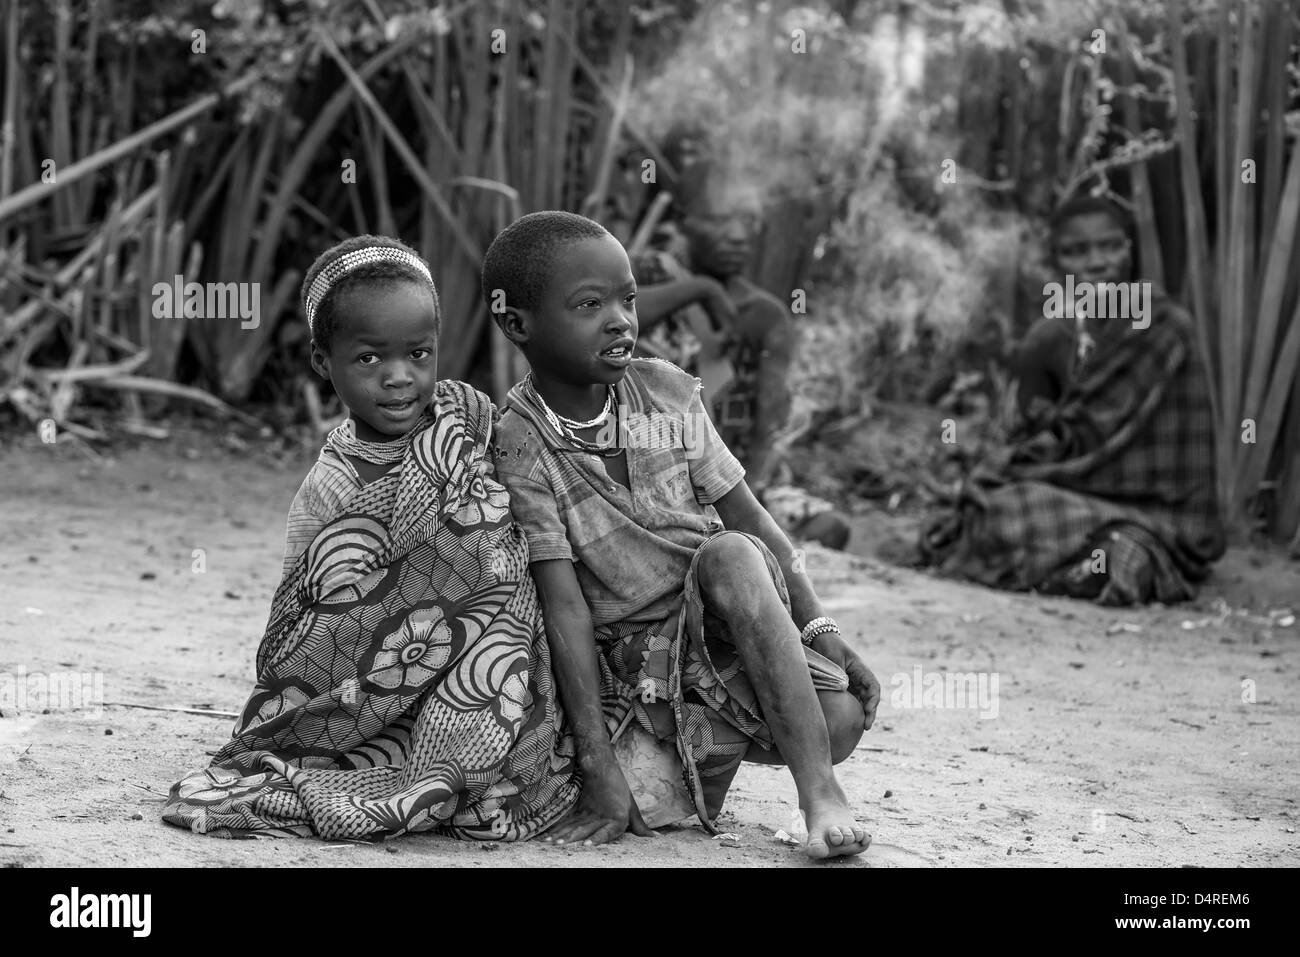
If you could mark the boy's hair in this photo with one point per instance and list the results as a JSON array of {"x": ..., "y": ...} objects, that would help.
[
  {"x": 520, "y": 260},
  {"x": 1087, "y": 205},
  {"x": 324, "y": 321}
]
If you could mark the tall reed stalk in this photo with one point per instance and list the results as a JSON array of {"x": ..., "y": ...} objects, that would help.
[{"x": 1241, "y": 278}]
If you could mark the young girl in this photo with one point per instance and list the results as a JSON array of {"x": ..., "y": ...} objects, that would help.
[{"x": 403, "y": 682}]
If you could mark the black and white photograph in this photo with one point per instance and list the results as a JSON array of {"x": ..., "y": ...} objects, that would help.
[{"x": 571, "y": 434}]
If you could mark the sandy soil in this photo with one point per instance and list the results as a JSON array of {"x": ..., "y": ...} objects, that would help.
[{"x": 1121, "y": 737}]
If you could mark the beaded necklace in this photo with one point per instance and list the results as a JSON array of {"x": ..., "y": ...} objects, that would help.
[
  {"x": 343, "y": 438},
  {"x": 564, "y": 427}
]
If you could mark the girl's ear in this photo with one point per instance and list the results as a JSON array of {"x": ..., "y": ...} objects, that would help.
[
  {"x": 514, "y": 323},
  {"x": 320, "y": 362}
]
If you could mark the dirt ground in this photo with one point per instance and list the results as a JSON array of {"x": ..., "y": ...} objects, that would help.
[{"x": 1121, "y": 737}]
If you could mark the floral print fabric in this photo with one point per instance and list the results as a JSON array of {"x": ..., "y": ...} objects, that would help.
[{"x": 404, "y": 682}]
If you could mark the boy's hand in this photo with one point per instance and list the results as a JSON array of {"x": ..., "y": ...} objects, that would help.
[
  {"x": 862, "y": 683},
  {"x": 605, "y": 811}
]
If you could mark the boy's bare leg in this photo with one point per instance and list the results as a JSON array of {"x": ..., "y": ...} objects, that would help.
[
  {"x": 738, "y": 588},
  {"x": 844, "y": 723}
]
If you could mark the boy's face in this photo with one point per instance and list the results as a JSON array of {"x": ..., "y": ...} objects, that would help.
[
  {"x": 383, "y": 357},
  {"x": 584, "y": 326},
  {"x": 1093, "y": 248}
]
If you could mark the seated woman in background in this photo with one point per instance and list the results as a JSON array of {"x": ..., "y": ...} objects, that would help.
[
  {"x": 1107, "y": 489},
  {"x": 698, "y": 310}
]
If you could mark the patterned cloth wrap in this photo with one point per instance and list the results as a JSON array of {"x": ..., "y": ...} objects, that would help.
[
  {"x": 404, "y": 682},
  {"x": 1123, "y": 463}
]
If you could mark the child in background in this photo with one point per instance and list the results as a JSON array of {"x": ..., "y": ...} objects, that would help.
[
  {"x": 403, "y": 682},
  {"x": 698, "y": 629}
]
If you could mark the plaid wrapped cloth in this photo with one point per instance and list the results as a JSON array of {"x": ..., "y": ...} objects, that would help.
[
  {"x": 404, "y": 681},
  {"x": 1110, "y": 494}
]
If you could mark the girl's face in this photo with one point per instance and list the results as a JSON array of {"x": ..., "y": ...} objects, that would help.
[
  {"x": 1093, "y": 248},
  {"x": 584, "y": 327},
  {"x": 383, "y": 357}
]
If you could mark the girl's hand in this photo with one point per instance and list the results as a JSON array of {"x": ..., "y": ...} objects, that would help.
[{"x": 605, "y": 811}]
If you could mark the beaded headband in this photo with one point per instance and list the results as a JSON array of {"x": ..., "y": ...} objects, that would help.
[{"x": 327, "y": 277}]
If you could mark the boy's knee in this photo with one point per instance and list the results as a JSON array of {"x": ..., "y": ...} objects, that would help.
[
  {"x": 728, "y": 564},
  {"x": 845, "y": 722}
]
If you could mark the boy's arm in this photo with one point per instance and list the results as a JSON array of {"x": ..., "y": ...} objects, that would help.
[
  {"x": 606, "y": 809},
  {"x": 740, "y": 510}
]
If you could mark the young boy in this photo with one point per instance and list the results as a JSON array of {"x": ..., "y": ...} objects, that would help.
[{"x": 652, "y": 611}]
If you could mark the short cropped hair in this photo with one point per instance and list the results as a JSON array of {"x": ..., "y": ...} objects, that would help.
[
  {"x": 325, "y": 320},
  {"x": 1087, "y": 205},
  {"x": 521, "y": 258}
]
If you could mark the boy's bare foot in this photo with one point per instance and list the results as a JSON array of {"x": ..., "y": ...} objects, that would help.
[{"x": 832, "y": 830}]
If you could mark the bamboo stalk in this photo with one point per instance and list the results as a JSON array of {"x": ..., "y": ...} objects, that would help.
[
  {"x": 64, "y": 392},
  {"x": 1277, "y": 265},
  {"x": 1271, "y": 165},
  {"x": 595, "y": 200},
  {"x": 1222, "y": 139},
  {"x": 176, "y": 391},
  {"x": 8, "y": 122},
  {"x": 60, "y": 123},
  {"x": 633, "y": 128},
  {"x": 39, "y": 191},
  {"x": 1153, "y": 266},
  {"x": 1197, "y": 246},
  {"x": 641, "y": 238},
  {"x": 1236, "y": 233},
  {"x": 249, "y": 352},
  {"x": 402, "y": 148},
  {"x": 1271, "y": 415},
  {"x": 88, "y": 83},
  {"x": 423, "y": 102},
  {"x": 546, "y": 107},
  {"x": 76, "y": 373},
  {"x": 167, "y": 335},
  {"x": 148, "y": 324},
  {"x": 309, "y": 145},
  {"x": 378, "y": 176}
]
